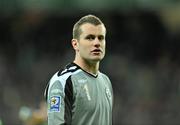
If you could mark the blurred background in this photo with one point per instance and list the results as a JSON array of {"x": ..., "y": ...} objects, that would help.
[{"x": 142, "y": 59}]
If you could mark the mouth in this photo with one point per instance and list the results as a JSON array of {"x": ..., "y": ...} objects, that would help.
[{"x": 96, "y": 51}]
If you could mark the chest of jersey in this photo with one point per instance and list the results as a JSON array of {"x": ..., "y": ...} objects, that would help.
[{"x": 92, "y": 94}]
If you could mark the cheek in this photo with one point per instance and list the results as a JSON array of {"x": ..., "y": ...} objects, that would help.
[
  {"x": 84, "y": 47},
  {"x": 104, "y": 45}
]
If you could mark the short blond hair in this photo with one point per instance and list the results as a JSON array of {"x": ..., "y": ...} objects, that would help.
[{"x": 92, "y": 19}]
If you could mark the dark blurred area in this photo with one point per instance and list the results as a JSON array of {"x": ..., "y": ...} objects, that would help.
[{"x": 142, "y": 58}]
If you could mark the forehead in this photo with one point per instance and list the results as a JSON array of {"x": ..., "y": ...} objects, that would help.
[{"x": 93, "y": 29}]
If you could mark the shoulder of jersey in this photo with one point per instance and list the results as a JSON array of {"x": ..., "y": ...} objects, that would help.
[
  {"x": 62, "y": 76},
  {"x": 70, "y": 68}
]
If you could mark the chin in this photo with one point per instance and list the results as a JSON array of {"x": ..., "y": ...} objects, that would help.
[{"x": 97, "y": 59}]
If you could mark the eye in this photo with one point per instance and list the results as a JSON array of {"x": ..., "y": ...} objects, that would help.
[
  {"x": 101, "y": 37},
  {"x": 90, "y": 37}
]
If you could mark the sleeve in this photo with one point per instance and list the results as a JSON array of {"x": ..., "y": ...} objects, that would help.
[{"x": 60, "y": 101}]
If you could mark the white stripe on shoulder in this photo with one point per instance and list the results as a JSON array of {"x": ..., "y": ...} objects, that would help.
[
  {"x": 62, "y": 79},
  {"x": 73, "y": 67}
]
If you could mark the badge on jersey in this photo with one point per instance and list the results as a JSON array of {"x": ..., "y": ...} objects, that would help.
[
  {"x": 108, "y": 93},
  {"x": 55, "y": 102}
]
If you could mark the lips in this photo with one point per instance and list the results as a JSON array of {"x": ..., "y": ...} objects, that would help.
[{"x": 96, "y": 50}]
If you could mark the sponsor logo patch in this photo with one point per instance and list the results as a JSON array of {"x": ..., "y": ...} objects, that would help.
[{"x": 55, "y": 102}]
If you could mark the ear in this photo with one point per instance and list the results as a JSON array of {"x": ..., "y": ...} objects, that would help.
[{"x": 74, "y": 43}]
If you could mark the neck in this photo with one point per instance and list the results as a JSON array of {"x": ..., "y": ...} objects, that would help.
[{"x": 90, "y": 67}]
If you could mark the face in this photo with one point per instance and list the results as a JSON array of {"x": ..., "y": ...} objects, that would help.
[{"x": 91, "y": 44}]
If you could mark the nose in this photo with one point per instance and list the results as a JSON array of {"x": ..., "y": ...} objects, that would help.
[{"x": 96, "y": 42}]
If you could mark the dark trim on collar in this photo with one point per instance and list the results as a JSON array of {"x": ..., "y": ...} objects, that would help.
[{"x": 78, "y": 67}]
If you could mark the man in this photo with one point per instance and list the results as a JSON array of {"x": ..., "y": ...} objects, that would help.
[{"x": 80, "y": 94}]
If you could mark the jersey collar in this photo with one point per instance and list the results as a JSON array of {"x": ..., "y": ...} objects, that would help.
[{"x": 74, "y": 64}]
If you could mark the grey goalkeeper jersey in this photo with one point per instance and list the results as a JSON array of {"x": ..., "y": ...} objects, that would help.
[{"x": 76, "y": 97}]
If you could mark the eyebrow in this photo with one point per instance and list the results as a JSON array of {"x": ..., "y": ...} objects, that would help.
[{"x": 94, "y": 35}]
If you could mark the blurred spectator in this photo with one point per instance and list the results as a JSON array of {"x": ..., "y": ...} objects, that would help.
[{"x": 34, "y": 116}]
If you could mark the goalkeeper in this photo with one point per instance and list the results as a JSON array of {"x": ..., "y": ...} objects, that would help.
[{"x": 80, "y": 94}]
